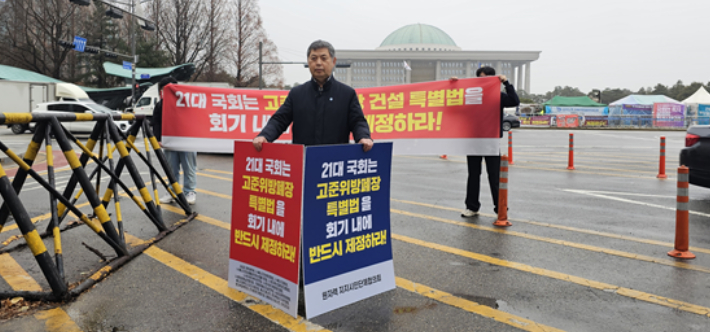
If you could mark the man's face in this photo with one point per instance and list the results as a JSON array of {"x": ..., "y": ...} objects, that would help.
[
  {"x": 482, "y": 74},
  {"x": 321, "y": 64}
]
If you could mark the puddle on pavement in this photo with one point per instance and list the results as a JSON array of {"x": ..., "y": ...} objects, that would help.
[{"x": 414, "y": 309}]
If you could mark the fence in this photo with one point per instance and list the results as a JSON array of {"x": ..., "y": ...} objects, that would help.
[
  {"x": 612, "y": 121},
  {"x": 111, "y": 140}
]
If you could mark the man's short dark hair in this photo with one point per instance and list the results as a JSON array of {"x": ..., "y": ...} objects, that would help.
[
  {"x": 318, "y": 44},
  {"x": 165, "y": 81},
  {"x": 486, "y": 70}
]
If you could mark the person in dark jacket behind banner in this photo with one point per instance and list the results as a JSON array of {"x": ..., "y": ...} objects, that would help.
[
  {"x": 507, "y": 99},
  {"x": 323, "y": 111},
  {"x": 185, "y": 159}
]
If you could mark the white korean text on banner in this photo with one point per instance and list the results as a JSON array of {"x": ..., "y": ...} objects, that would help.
[{"x": 347, "y": 252}]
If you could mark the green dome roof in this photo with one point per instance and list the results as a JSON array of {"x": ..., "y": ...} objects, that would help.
[{"x": 418, "y": 34}]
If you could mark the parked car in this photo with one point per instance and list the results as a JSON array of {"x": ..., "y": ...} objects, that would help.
[
  {"x": 510, "y": 121},
  {"x": 80, "y": 107},
  {"x": 696, "y": 155}
]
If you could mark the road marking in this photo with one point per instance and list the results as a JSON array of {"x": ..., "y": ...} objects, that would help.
[
  {"x": 214, "y": 176},
  {"x": 220, "y": 286},
  {"x": 213, "y": 193},
  {"x": 645, "y": 158},
  {"x": 612, "y": 252},
  {"x": 561, "y": 169},
  {"x": 39, "y": 218},
  {"x": 628, "y": 194},
  {"x": 584, "y": 192},
  {"x": 566, "y": 228},
  {"x": 16, "y": 276},
  {"x": 218, "y": 171},
  {"x": 57, "y": 320},
  {"x": 578, "y": 165},
  {"x": 473, "y": 307},
  {"x": 423, "y": 290},
  {"x": 623, "y": 291}
]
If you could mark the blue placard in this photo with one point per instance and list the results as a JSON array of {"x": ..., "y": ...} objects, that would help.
[
  {"x": 347, "y": 251},
  {"x": 127, "y": 65},
  {"x": 145, "y": 76},
  {"x": 79, "y": 43}
]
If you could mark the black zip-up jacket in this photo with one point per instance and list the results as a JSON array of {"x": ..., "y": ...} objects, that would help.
[
  {"x": 507, "y": 99},
  {"x": 324, "y": 115}
]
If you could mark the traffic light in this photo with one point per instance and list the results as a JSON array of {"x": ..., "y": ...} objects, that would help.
[
  {"x": 91, "y": 49},
  {"x": 148, "y": 26},
  {"x": 81, "y": 2},
  {"x": 114, "y": 13},
  {"x": 64, "y": 43}
]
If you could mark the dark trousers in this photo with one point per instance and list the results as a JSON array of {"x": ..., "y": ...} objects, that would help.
[{"x": 473, "y": 185}]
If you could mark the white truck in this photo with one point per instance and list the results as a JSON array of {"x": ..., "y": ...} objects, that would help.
[
  {"x": 23, "y": 97},
  {"x": 151, "y": 97}
]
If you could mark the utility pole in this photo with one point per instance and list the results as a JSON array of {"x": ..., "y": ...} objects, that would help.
[{"x": 133, "y": 53}]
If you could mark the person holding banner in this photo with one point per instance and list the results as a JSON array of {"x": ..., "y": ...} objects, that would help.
[
  {"x": 509, "y": 98},
  {"x": 323, "y": 111},
  {"x": 176, "y": 159}
]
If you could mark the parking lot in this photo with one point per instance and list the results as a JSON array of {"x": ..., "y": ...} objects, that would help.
[{"x": 586, "y": 252}]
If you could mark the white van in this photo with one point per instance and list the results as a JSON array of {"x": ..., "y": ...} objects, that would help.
[
  {"x": 151, "y": 97},
  {"x": 147, "y": 102}
]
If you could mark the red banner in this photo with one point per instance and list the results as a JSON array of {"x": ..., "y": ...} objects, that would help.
[
  {"x": 423, "y": 118},
  {"x": 266, "y": 222}
]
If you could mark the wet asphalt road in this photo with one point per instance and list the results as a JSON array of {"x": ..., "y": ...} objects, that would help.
[{"x": 586, "y": 252}]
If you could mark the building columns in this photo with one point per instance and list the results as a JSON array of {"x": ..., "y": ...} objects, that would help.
[
  {"x": 378, "y": 72},
  {"x": 527, "y": 77},
  {"x": 408, "y": 73}
]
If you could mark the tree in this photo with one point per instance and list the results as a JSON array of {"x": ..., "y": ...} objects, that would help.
[
  {"x": 31, "y": 31},
  {"x": 183, "y": 31},
  {"x": 611, "y": 95},
  {"x": 102, "y": 32},
  {"x": 248, "y": 33},
  {"x": 217, "y": 42}
]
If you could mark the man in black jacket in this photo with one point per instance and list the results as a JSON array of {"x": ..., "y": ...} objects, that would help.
[
  {"x": 177, "y": 159},
  {"x": 323, "y": 111},
  {"x": 507, "y": 99}
]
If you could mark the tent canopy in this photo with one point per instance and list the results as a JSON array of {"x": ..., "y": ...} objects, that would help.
[
  {"x": 180, "y": 73},
  {"x": 582, "y": 101},
  {"x": 644, "y": 100},
  {"x": 699, "y": 97},
  {"x": 16, "y": 74}
]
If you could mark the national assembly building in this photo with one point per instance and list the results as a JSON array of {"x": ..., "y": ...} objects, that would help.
[{"x": 431, "y": 55}]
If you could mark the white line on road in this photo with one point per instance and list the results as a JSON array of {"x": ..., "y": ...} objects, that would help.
[{"x": 591, "y": 193}]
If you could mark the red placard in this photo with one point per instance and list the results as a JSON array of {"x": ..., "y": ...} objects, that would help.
[{"x": 266, "y": 208}]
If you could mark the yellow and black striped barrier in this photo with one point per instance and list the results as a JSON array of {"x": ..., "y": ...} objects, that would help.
[{"x": 108, "y": 137}]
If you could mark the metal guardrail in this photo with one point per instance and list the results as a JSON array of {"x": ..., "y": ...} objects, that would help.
[{"x": 111, "y": 139}]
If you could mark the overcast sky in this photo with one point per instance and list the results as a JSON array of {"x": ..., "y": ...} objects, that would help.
[{"x": 585, "y": 44}]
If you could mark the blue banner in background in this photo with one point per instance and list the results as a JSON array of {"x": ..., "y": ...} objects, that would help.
[
  {"x": 347, "y": 250},
  {"x": 703, "y": 114}
]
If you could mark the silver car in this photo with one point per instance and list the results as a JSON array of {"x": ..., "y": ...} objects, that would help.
[{"x": 80, "y": 107}]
